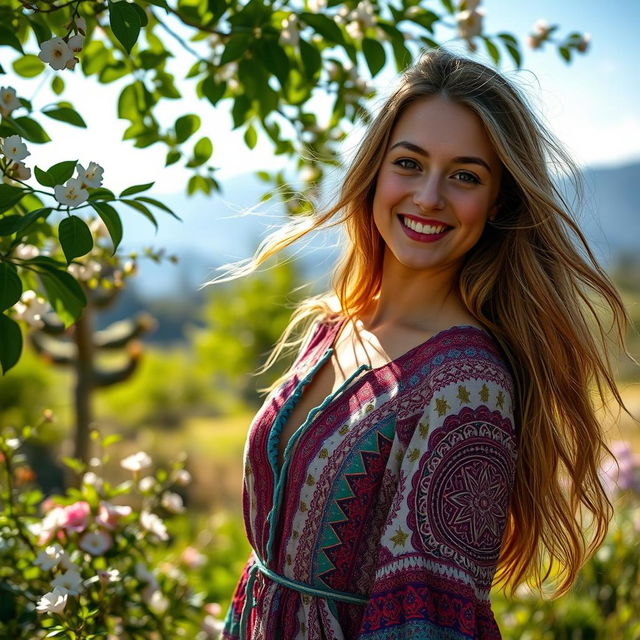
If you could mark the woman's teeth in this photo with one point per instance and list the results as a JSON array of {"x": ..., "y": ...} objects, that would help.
[{"x": 422, "y": 228}]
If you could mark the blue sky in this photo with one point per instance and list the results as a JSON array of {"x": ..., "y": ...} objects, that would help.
[{"x": 591, "y": 105}]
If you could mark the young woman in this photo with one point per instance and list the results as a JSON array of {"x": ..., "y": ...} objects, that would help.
[{"x": 436, "y": 432}]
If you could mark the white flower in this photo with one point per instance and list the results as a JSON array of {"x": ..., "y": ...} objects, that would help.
[
  {"x": 182, "y": 477},
  {"x": 55, "y": 53},
  {"x": 91, "y": 176},
  {"x": 144, "y": 575},
  {"x": 155, "y": 600},
  {"x": 355, "y": 30},
  {"x": 583, "y": 45},
  {"x": 541, "y": 28},
  {"x": 136, "y": 462},
  {"x": 152, "y": 523},
  {"x": 97, "y": 543},
  {"x": 71, "y": 64},
  {"x": 26, "y": 252},
  {"x": 315, "y": 6},
  {"x": 110, "y": 575},
  {"x": 85, "y": 272},
  {"x": 365, "y": 14},
  {"x": 18, "y": 171},
  {"x": 14, "y": 149},
  {"x": 76, "y": 43},
  {"x": 109, "y": 514},
  {"x": 70, "y": 580},
  {"x": 8, "y": 101},
  {"x": 50, "y": 557},
  {"x": 81, "y": 25},
  {"x": 290, "y": 34},
  {"x": 146, "y": 484},
  {"x": 469, "y": 24},
  {"x": 31, "y": 309},
  {"x": 53, "y": 602},
  {"x": 172, "y": 502},
  {"x": 72, "y": 193},
  {"x": 92, "y": 480},
  {"x": 212, "y": 627}
]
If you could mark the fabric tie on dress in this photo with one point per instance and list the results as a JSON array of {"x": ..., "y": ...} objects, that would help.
[{"x": 300, "y": 587}]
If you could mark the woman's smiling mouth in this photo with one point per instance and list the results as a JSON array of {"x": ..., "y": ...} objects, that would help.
[{"x": 424, "y": 231}]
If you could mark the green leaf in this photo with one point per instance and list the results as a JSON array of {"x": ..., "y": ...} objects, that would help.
[
  {"x": 172, "y": 157},
  {"x": 565, "y": 53},
  {"x": 138, "y": 188},
  {"x": 10, "y": 343},
  {"x": 492, "y": 50},
  {"x": 43, "y": 177},
  {"x": 75, "y": 465},
  {"x": 240, "y": 110},
  {"x": 213, "y": 90},
  {"x": 10, "y": 286},
  {"x": 75, "y": 238},
  {"x": 30, "y": 130},
  {"x": 323, "y": 25},
  {"x": 138, "y": 206},
  {"x": 198, "y": 183},
  {"x": 10, "y": 196},
  {"x": 64, "y": 114},
  {"x": 448, "y": 5},
  {"x": 28, "y": 66},
  {"x": 57, "y": 85},
  {"x": 311, "y": 59},
  {"x": 16, "y": 223},
  {"x": 250, "y": 137},
  {"x": 40, "y": 28},
  {"x": 275, "y": 59},
  {"x": 374, "y": 55},
  {"x": 201, "y": 152},
  {"x": 112, "y": 221},
  {"x": 62, "y": 171},
  {"x": 160, "y": 205},
  {"x": 125, "y": 23},
  {"x": 102, "y": 193},
  {"x": 402, "y": 55},
  {"x": 64, "y": 293},
  {"x": 186, "y": 126},
  {"x": 237, "y": 45},
  {"x": 9, "y": 38}
]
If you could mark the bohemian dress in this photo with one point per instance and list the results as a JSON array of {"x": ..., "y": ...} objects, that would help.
[{"x": 386, "y": 519}]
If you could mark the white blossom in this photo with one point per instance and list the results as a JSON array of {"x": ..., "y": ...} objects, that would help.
[
  {"x": 56, "y": 53},
  {"x": 109, "y": 575},
  {"x": 76, "y": 43},
  {"x": 70, "y": 580},
  {"x": 290, "y": 33},
  {"x": 31, "y": 310},
  {"x": 172, "y": 502},
  {"x": 365, "y": 14},
  {"x": 541, "y": 28},
  {"x": 85, "y": 272},
  {"x": 92, "y": 480},
  {"x": 72, "y": 193},
  {"x": 212, "y": 627},
  {"x": 26, "y": 252},
  {"x": 50, "y": 557},
  {"x": 157, "y": 602},
  {"x": 91, "y": 176},
  {"x": 14, "y": 149},
  {"x": 81, "y": 25},
  {"x": 182, "y": 477},
  {"x": 144, "y": 575},
  {"x": 583, "y": 44},
  {"x": 136, "y": 461},
  {"x": 152, "y": 523},
  {"x": 469, "y": 24},
  {"x": 146, "y": 484},
  {"x": 354, "y": 30},
  {"x": 8, "y": 101},
  {"x": 53, "y": 602},
  {"x": 97, "y": 543},
  {"x": 315, "y": 6},
  {"x": 18, "y": 171}
]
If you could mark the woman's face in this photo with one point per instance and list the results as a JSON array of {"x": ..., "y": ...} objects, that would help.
[{"x": 436, "y": 187}]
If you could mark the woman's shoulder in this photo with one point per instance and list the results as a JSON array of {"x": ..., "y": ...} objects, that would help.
[{"x": 468, "y": 351}]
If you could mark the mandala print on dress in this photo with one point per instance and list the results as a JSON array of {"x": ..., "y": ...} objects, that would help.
[{"x": 461, "y": 491}]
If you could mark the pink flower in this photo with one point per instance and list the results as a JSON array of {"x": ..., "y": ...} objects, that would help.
[
  {"x": 192, "y": 558},
  {"x": 97, "y": 543},
  {"x": 52, "y": 522},
  {"x": 77, "y": 516},
  {"x": 109, "y": 514}
]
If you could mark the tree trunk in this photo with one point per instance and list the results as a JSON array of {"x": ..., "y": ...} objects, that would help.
[{"x": 84, "y": 384}]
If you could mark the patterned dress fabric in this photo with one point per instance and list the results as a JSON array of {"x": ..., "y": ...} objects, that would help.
[{"x": 387, "y": 517}]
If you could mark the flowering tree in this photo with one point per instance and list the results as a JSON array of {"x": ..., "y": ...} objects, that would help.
[{"x": 265, "y": 60}]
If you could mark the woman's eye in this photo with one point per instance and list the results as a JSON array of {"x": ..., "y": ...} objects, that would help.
[
  {"x": 469, "y": 178},
  {"x": 406, "y": 163}
]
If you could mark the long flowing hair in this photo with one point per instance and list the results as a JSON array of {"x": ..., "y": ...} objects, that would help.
[{"x": 532, "y": 281}]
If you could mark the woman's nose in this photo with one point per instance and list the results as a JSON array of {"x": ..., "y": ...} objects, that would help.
[{"x": 428, "y": 194}]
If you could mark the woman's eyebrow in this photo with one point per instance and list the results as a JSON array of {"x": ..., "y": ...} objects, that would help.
[{"x": 460, "y": 159}]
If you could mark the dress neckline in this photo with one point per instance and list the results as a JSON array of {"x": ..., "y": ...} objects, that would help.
[{"x": 337, "y": 327}]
